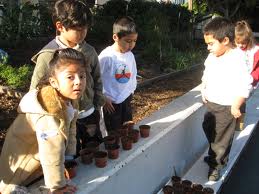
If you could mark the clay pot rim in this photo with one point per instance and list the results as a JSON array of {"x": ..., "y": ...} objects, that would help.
[
  {"x": 197, "y": 186},
  {"x": 126, "y": 138},
  {"x": 208, "y": 189},
  {"x": 100, "y": 154},
  {"x": 108, "y": 138},
  {"x": 144, "y": 127},
  {"x": 85, "y": 151},
  {"x": 168, "y": 188},
  {"x": 113, "y": 147}
]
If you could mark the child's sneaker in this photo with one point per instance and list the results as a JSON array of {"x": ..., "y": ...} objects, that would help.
[{"x": 214, "y": 174}]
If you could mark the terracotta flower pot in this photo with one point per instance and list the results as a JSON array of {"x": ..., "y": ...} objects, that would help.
[
  {"x": 208, "y": 190},
  {"x": 70, "y": 169},
  {"x": 100, "y": 159},
  {"x": 144, "y": 130},
  {"x": 116, "y": 135},
  {"x": 126, "y": 143},
  {"x": 178, "y": 188},
  {"x": 113, "y": 151},
  {"x": 123, "y": 131},
  {"x": 187, "y": 190},
  {"x": 197, "y": 189},
  {"x": 86, "y": 156},
  {"x": 168, "y": 189},
  {"x": 187, "y": 183},
  {"x": 176, "y": 179},
  {"x": 134, "y": 134},
  {"x": 130, "y": 125},
  {"x": 109, "y": 140},
  {"x": 92, "y": 146}
]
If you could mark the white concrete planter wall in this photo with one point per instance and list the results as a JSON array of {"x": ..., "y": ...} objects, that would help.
[{"x": 176, "y": 143}]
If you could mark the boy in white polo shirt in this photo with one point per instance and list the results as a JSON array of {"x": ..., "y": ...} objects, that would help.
[
  {"x": 225, "y": 85},
  {"x": 118, "y": 72}
]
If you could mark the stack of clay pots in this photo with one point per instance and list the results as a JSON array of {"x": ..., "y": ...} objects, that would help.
[{"x": 180, "y": 186}]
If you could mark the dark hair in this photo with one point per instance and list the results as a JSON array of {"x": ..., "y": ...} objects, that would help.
[
  {"x": 124, "y": 26},
  {"x": 220, "y": 28},
  {"x": 244, "y": 33},
  {"x": 71, "y": 13},
  {"x": 61, "y": 58}
]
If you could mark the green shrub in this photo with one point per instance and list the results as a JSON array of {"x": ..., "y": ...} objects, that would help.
[
  {"x": 179, "y": 60},
  {"x": 16, "y": 77},
  {"x": 25, "y": 21}
]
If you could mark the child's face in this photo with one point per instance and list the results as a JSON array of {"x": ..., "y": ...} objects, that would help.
[
  {"x": 215, "y": 47},
  {"x": 70, "y": 81},
  {"x": 241, "y": 45},
  {"x": 71, "y": 36},
  {"x": 126, "y": 43}
]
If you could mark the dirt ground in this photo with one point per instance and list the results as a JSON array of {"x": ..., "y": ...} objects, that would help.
[{"x": 145, "y": 101}]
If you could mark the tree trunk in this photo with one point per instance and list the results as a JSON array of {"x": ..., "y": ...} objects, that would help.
[{"x": 190, "y": 5}]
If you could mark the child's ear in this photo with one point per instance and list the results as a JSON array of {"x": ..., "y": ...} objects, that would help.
[
  {"x": 59, "y": 26},
  {"x": 226, "y": 41},
  {"x": 115, "y": 37},
  {"x": 53, "y": 82}
]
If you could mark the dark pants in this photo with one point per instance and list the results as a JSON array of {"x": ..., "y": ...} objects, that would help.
[
  {"x": 219, "y": 128},
  {"x": 122, "y": 114},
  {"x": 82, "y": 135}
]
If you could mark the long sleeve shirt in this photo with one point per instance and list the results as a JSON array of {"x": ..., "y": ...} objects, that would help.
[{"x": 226, "y": 77}]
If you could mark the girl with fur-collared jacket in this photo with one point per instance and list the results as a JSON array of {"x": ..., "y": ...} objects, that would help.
[{"x": 44, "y": 132}]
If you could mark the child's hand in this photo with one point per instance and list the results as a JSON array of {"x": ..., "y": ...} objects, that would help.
[
  {"x": 108, "y": 107},
  {"x": 203, "y": 96},
  {"x": 203, "y": 93},
  {"x": 235, "y": 111},
  {"x": 235, "y": 108},
  {"x": 68, "y": 189}
]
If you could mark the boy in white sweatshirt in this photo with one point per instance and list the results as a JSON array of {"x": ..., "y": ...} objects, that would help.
[
  {"x": 225, "y": 85},
  {"x": 118, "y": 72}
]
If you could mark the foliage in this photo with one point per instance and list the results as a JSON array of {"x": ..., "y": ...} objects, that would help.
[
  {"x": 15, "y": 77},
  {"x": 234, "y": 9},
  {"x": 24, "y": 21},
  {"x": 180, "y": 60},
  {"x": 160, "y": 26}
]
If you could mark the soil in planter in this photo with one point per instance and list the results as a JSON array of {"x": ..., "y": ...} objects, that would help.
[
  {"x": 168, "y": 189},
  {"x": 197, "y": 188},
  {"x": 208, "y": 190},
  {"x": 187, "y": 183}
]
